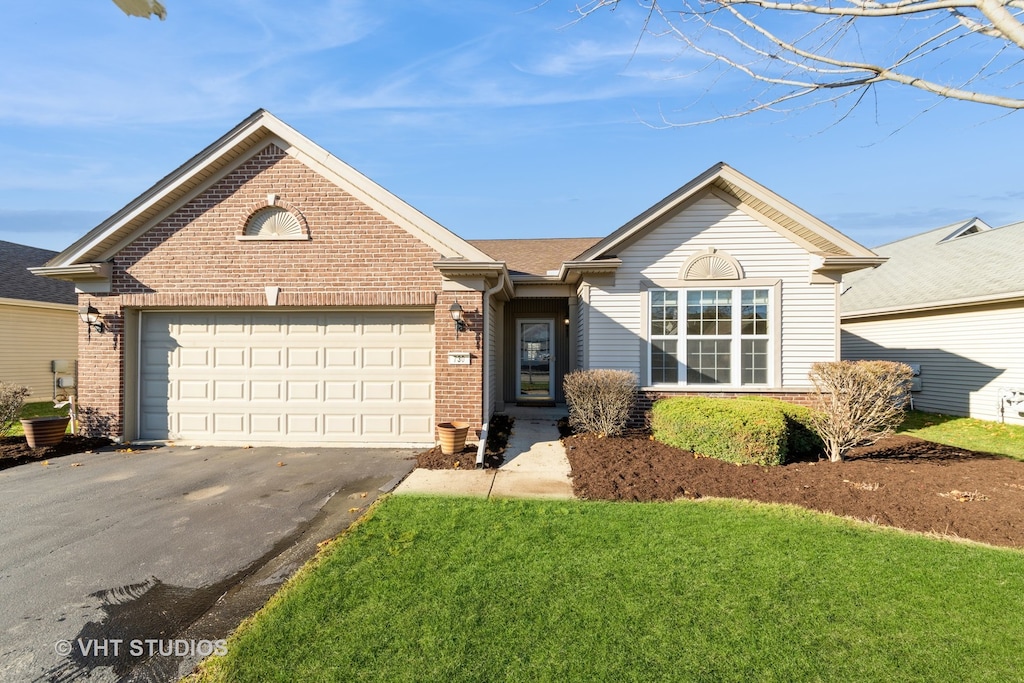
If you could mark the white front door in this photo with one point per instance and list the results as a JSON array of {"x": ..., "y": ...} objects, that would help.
[{"x": 536, "y": 373}]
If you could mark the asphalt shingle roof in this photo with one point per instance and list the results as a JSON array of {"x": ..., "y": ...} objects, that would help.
[
  {"x": 17, "y": 283},
  {"x": 535, "y": 256},
  {"x": 924, "y": 270}
]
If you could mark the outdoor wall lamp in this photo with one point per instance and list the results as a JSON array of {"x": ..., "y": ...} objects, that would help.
[
  {"x": 456, "y": 312},
  {"x": 91, "y": 317}
]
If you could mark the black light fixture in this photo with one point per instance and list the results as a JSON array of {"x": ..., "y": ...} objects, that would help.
[
  {"x": 91, "y": 317},
  {"x": 456, "y": 312}
]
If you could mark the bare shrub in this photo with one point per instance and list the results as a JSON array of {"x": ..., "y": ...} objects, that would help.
[
  {"x": 858, "y": 402},
  {"x": 600, "y": 401},
  {"x": 12, "y": 399}
]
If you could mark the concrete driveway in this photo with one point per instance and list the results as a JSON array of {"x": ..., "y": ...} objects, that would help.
[{"x": 137, "y": 547}]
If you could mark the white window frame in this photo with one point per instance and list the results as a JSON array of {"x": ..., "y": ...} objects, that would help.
[{"x": 735, "y": 336}]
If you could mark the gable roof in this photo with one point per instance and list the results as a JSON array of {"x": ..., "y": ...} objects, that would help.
[
  {"x": 248, "y": 137},
  {"x": 933, "y": 270},
  {"x": 535, "y": 257},
  {"x": 726, "y": 182},
  {"x": 18, "y": 283}
]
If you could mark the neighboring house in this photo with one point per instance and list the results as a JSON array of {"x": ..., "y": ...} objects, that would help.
[
  {"x": 951, "y": 302},
  {"x": 39, "y": 320},
  {"x": 265, "y": 291}
]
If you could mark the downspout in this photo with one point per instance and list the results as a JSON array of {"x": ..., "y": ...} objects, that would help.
[{"x": 487, "y": 360}]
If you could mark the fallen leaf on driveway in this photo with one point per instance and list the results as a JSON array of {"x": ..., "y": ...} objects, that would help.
[
  {"x": 280, "y": 464},
  {"x": 353, "y": 509},
  {"x": 76, "y": 464}
]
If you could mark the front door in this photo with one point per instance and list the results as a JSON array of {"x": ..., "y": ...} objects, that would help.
[{"x": 535, "y": 379}]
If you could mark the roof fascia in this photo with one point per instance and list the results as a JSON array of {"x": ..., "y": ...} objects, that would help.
[
  {"x": 1007, "y": 297},
  {"x": 457, "y": 268},
  {"x": 88, "y": 277},
  {"x": 31, "y": 303},
  {"x": 572, "y": 271}
]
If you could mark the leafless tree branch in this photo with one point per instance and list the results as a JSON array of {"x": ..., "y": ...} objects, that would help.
[{"x": 969, "y": 50}]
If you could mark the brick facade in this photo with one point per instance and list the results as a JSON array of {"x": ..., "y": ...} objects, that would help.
[{"x": 354, "y": 257}]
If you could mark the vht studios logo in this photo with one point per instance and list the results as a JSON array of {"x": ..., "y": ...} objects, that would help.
[{"x": 87, "y": 648}]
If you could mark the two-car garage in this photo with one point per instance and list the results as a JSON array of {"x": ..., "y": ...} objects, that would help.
[{"x": 293, "y": 376}]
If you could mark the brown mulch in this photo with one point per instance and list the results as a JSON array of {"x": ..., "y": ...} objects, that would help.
[
  {"x": 900, "y": 481},
  {"x": 15, "y": 451},
  {"x": 498, "y": 432}
]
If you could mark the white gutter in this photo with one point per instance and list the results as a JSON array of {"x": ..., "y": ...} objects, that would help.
[{"x": 482, "y": 446}]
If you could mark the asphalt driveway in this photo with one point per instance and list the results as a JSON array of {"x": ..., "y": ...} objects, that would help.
[{"x": 106, "y": 559}]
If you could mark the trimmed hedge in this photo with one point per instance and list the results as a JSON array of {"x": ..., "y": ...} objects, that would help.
[
  {"x": 749, "y": 430},
  {"x": 803, "y": 443}
]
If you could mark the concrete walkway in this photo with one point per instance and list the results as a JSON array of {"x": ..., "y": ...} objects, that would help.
[{"x": 535, "y": 464}]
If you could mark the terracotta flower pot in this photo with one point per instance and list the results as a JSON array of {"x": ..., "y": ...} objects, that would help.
[
  {"x": 452, "y": 436},
  {"x": 44, "y": 431}
]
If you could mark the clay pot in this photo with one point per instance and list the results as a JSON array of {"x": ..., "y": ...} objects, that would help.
[
  {"x": 41, "y": 432},
  {"x": 452, "y": 436}
]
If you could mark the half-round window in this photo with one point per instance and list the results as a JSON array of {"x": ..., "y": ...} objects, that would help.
[
  {"x": 274, "y": 223},
  {"x": 712, "y": 265}
]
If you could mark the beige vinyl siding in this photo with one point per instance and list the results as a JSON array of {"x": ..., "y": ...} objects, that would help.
[
  {"x": 808, "y": 312},
  {"x": 966, "y": 355},
  {"x": 31, "y": 337}
]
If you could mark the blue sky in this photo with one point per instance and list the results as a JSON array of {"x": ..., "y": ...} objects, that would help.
[{"x": 497, "y": 119}]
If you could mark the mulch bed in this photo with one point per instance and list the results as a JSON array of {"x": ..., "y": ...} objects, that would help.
[
  {"x": 498, "y": 431},
  {"x": 15, "y": 451},
  {"x": 900, "y": 481}
]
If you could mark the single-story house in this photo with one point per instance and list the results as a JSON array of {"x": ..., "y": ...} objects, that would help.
[
  {"x": 950, "y": 302},
  {"x": 265, "y": 291},
  {"x": 40, "y": 322}
]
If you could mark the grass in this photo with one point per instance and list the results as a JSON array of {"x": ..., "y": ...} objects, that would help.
[
  {"x": 40, "y": 409},
  {"x": 966, "y": 432},
  {"x": 475, "y": 590}
]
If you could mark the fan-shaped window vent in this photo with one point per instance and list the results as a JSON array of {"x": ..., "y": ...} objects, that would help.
[
  {"x": 274, "y": 223},
  {"x": 712, "y": 265}
]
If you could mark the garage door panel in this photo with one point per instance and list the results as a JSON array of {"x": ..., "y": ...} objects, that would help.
[
  {"x": 228, "y": 390},
  {"x": 230, "y": 424},
  {"x": 229, "y": 357},
  {"x": 378, "y": 358},
  {"x": 340, "y": 391},
  {"x": 265, "y": 425},
  {"x": 333, "y": 377},
  {"x": 265, "y": 358},
  {"x": 193, "y": 390},
  {"x": 303, "y": 425},
  {"x": 416, "y": 358},
  {"x": 192, "y": 358},
  {"x": 379, "y": 425},
  {"x": 303, "y": 391},
  {"x": 412, "y": 425},
  {"x": 265, "y": 391},
  {"x": 195, "y": 423},
  {"x": 341, "y": 358},
  {"x": 415, "y": 391}
]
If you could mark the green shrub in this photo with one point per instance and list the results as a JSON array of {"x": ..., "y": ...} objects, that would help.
[
  {"x": 803, "y": 442},
  {"x": 735, "y": 431},
  {"x": 600, "y": 401}
]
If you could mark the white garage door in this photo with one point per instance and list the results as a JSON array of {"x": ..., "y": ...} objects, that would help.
[{"x": 325, "y": 377}]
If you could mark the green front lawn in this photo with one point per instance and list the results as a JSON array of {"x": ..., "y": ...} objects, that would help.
[
  {"x": 966, "y": 432},
  {"x": 437, "y": 589},
  {"x": 41, "y": 409}
]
